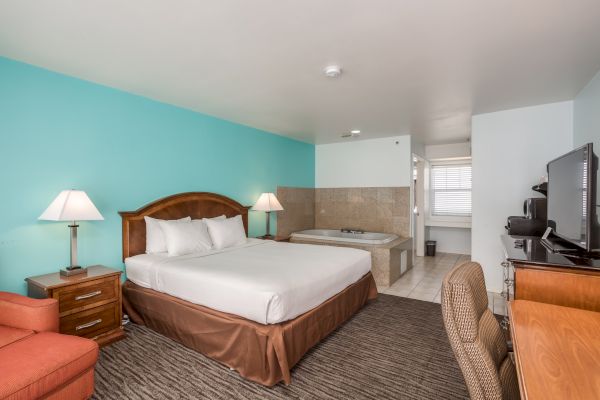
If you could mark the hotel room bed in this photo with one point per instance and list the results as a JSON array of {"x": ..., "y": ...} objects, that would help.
[
  {"x": 256, "y": 307},
  {"x": 264, "y": 281}
]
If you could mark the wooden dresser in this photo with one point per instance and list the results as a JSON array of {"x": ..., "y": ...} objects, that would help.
[
  {"x": 557, "y": 351},
  {"x": 89, "y": 304},
  {"x": 546, "y": 277}
]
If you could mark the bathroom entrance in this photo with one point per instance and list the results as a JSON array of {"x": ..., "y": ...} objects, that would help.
[{"x": 418, "y": 186}]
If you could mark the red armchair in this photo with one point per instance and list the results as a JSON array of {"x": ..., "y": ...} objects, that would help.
[{"x": 35, "y": 360}]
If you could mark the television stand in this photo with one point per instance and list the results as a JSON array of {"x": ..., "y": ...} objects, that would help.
[{"x": 545, "y": 276}]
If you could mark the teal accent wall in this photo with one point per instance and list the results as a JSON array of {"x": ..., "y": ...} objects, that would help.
[{"x": 58, "y": 132}]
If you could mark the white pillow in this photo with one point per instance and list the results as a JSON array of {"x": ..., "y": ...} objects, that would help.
[
  {"x": 226, "y": 233},
  {"x": 186, "y": 238},
  {"x": 219, "y": 218},
  {"x": 155, "y": 238}
]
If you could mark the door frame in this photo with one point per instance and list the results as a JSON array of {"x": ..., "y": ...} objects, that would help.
[{"x": 418, "y": 200}]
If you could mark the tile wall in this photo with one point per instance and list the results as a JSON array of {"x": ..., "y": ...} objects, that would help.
[
  {"x": 298, "y": 210},
  {"x": 384, "y": 209}
]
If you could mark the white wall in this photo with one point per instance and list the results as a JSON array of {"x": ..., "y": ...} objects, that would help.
[
  {"x": 510, "y": 150},
  {"x": 450, "y": 240},
  {"x": 417, "y": 147},
  {"x": 586, "y": 119},
  {"x": 364, "y": 163},
  {"x": 451, "y": 150}
]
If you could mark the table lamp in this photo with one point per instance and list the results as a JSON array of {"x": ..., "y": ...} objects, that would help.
[
  {"x": 267, "y": 202},
  {"x": 72, "y": 205}
]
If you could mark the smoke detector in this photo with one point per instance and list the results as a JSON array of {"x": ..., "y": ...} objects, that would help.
[{"x": 332, "y": 71}]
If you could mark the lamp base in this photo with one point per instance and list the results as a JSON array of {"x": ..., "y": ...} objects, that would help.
[{"x": 75, "y": 270}]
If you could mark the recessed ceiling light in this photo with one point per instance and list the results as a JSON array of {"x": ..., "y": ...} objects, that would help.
[
  {"x": 355, "y": 131},
  {"x": 332, "y": 71}
]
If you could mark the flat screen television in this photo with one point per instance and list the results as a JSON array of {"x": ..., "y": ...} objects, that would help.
[{"x": 572, "y": 198}]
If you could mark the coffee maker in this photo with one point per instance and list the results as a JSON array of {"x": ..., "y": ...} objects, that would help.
[{"x": 535, "y": 220}]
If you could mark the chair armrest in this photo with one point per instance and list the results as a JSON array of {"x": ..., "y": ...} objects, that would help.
[{"x": 17, "y": 311}]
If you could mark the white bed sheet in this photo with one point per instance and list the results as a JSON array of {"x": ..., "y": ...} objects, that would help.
[
  {"x": 138, "y": 267},
  {"x": 265, "y": 281}
]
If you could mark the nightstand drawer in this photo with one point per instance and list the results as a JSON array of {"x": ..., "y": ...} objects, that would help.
[
  {"x": 87, "y": 294},
  {"x": 91, "y": 323}
]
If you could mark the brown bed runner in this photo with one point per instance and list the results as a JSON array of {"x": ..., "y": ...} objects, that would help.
[{"x": 261, "y": 353}]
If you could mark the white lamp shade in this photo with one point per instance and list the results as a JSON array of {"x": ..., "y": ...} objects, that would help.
[
  {"x": 71, "y": 205},
  {"x": 267, "y": 202}
]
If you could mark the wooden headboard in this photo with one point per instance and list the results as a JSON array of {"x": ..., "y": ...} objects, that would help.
[{"x": 194, "y": 204}]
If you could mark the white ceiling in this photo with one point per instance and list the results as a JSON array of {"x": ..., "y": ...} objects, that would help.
[{"x": 419, "y": 66}]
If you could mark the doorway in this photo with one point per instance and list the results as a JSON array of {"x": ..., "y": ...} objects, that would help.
[{"x": 419, "y": 183}]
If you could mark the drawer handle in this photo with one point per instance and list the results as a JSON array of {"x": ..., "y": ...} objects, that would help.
[
  {"x": 88, "y": 325},
  {"x": 88, "y": 295}
]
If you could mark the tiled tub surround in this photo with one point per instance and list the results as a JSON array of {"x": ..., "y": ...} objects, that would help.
[
  {"x": 385, "y": 209},
  {"x": 298, "y": 210},
  {"x": 388, "y": 261},
  {"x": 337, "y": 235}
]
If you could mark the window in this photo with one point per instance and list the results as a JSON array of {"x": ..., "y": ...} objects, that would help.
[{"x": 451, "y": 189}]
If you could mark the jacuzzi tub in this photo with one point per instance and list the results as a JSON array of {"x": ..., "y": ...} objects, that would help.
[{"x": 339, "y": 236}]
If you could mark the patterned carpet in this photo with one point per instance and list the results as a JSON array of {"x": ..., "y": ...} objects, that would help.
[{"x": 395, "y": 348}]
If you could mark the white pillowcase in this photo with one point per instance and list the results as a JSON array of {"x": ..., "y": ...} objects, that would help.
[
  {"x": 205, "y": 228},
  {"x": 186, "y": 238},
  {"x": 226, "y": 233},
  {"x": 155, "y": 238},
  {"x": 219, "y": 218}
]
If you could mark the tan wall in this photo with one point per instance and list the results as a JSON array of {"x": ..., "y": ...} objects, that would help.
[
  {"x": 371, "y": 209},
  {"x": 298, "y": 210}
]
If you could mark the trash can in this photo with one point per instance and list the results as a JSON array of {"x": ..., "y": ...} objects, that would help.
[{"x": 430, "y": 248}]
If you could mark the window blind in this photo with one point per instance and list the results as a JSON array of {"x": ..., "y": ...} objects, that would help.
[{"x": 451, "y": 190}]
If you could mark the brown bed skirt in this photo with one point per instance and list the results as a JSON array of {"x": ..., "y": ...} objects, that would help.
[{"x": 261, "y": 353}]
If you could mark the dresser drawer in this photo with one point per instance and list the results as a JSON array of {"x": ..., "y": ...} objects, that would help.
[
  {"x": 91, "y": 323},
  {"x": 562, "y": 288},
  {"x": 87, "y": 295}
]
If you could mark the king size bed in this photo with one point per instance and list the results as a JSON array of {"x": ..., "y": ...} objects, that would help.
[{"x": 257, "y": 306}]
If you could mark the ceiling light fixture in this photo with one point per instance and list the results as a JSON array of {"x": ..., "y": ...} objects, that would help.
[
  {"x": 332, "y": 71},
  {"x": 352, "y": 134}
]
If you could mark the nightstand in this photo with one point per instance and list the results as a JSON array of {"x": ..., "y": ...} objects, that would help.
[
  {"x": 275, "y": 238},
  {"x": 89, "y": 304}
]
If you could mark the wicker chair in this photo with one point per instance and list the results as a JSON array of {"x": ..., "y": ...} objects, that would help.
[{"x": 475, "y": 336}]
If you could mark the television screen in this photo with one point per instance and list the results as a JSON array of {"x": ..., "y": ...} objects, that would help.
[{"x": 569, "y": 197}]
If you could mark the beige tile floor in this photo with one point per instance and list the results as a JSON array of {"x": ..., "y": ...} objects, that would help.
[{"x": 424, "y": 280}]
